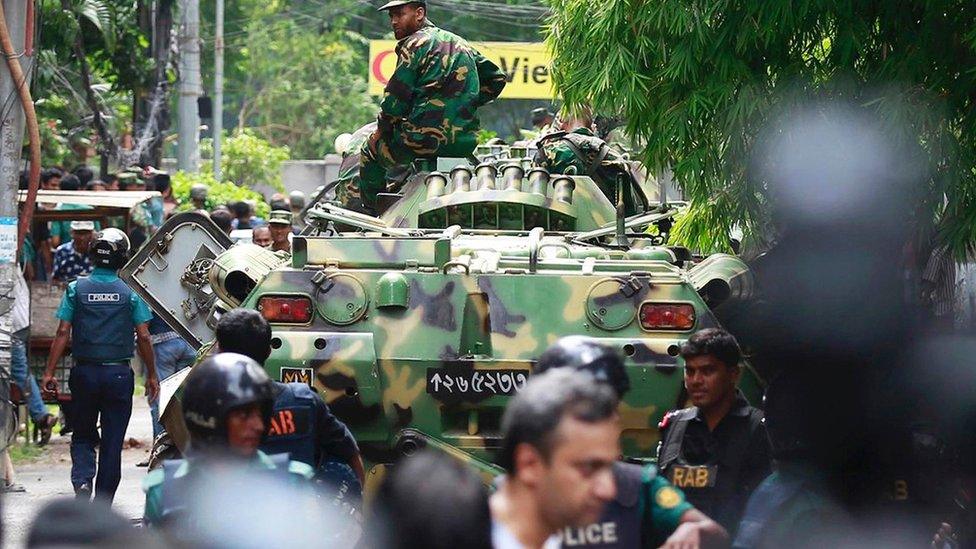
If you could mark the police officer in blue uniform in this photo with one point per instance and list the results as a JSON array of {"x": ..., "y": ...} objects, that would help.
[
  {"x": 647, "y": 511},
  {"x": 101, "y": 315},
  {"x": 301, "y": 423}
]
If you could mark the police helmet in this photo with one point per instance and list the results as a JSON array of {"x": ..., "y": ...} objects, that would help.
[
  {"x": 583, "y": 353},
  {"x": 218, "y": 385},
  {"x": 110, "y": 248}
]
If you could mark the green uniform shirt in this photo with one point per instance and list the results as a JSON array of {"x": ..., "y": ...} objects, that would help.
[
  {"x": 438, "y": 84},
  {"x": 152, "y": 485},
  {"x": 665, "y": 502}
]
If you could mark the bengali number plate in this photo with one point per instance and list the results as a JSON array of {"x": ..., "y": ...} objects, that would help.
[{"x": 474, "y": 385}]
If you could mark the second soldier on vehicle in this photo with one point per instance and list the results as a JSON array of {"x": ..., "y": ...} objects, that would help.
[{"x": 716, "y": 451}]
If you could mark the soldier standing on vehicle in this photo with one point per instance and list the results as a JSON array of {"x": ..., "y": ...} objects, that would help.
[
  {"x": 429, "y": 105},
  {"x": 647, "y": 510},
  {"x": 227, "y": 407},
  {"x": 279, "y": 221},
  {"x": 100, "y": 313},
  {"x": 302, "y": 423},
  {"x": 716, "y": 451}
]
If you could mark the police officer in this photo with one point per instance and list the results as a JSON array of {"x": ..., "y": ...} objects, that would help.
[
  {"x": 227, "y": 403},
  {"x": 301, "y": 423},
  {"x": 100, "y": 313},
  {"x": 716, "y": 451},
  {"x": 647, "y": 509}
]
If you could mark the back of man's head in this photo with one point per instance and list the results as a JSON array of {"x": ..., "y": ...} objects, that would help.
[
  {"x": 84, "y": 174},
  {"x": 534, "y": 416},
  {"x": 223, "y": 219},
  {"x": 246, "y": 332},
  {"x": 241, "y": 209},
  {"x": 70, "y": 182}
]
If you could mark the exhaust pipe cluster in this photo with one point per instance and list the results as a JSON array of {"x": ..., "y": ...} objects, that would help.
[{"x": 513, "y": 177}]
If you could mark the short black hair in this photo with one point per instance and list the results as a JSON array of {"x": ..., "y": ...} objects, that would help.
[
  {"x": 240, "y": 209},
  {"x": 716, "y": 342},
  {"x": 111, "y": 178},
  {"x": 84, "y": 174},
  {"x": 223, "y": 219},
  {"x": 431, "y": 501},
  {"x": 50, "y": 174},
  {"x": 534, "y": 415},
  {"x": 245, "y": 332},
  {"x": 70, "y": 182},
  {"x": 162, "y": 182}
]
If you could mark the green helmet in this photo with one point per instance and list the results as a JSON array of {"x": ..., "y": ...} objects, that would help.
[{"x": 397, "y": 3}]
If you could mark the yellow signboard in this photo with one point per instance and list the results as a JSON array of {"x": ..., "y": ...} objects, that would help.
[{"x": 526, "y": 65}]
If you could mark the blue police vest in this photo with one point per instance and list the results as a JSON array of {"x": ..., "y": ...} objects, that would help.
[
  {"x": 102, "y": 327},
  {"x": 293, "y": 425}
]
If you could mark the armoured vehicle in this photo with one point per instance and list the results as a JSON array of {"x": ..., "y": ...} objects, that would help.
[{"x": 419, "y": 324}]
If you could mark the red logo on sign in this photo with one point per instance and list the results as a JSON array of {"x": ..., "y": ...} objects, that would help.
[{"x": 377, "y": 64}]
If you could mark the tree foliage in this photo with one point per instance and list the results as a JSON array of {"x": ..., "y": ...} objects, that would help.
[
  {"x": 698, "y": 79},
  {"x": 248, "y": 160},
  {"x": 219, "y": 193}
]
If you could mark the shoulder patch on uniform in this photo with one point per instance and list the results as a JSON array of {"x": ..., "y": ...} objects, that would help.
[
  {"x": 153, "y": 479},
  {"x": 675, "y": 415},
  {"x": 301, "y": 469},
  {"x": 667, "y": 498}
]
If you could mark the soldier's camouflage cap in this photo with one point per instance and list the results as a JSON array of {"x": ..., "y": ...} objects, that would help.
[
  {"x": 396, "y": 3},
  {"x": 280, "y": 217}
]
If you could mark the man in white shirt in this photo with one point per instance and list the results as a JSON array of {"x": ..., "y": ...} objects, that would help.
[{"x": 560, "y": 440}]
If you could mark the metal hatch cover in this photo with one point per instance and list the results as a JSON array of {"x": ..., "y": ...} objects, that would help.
[{"x": 170, "y": 272}]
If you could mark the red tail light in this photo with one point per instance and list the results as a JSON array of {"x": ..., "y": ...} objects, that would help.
[
  {"x": 667, "y": 316},
  {"x": 286, "y": 310}
]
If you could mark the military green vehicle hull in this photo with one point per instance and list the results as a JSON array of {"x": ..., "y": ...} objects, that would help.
[{"x": 418, "y": 326}]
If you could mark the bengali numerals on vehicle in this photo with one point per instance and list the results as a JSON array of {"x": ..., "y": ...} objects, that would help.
[{"x": 474, "y": 384}]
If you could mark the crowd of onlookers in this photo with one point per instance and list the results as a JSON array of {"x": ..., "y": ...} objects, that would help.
[{"x": 58, "y": 250}]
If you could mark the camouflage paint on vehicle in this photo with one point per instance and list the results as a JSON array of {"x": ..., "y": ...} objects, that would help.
[{"x": 424, "y": 322}]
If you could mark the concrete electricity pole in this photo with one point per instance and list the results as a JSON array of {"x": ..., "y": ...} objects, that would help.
[
  {"x": 11, "y": 142},
  {"x": 218, "y": 103},
  {"x": 191, "y": 87}
]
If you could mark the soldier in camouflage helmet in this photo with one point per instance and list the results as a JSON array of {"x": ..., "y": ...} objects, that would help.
[
  {"x": 575, "y": 150},
  {"x": 429, "y": 105}
]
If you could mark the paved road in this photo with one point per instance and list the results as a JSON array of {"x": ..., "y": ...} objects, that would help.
[{"x": 49, "y": 478}]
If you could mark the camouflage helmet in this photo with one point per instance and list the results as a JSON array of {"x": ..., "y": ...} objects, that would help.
[
  {"x": 218, "y": 385},
  {"x": 198, "y": 192},
  {"x": 583, "y": 353},
  {"x": 279, "y": 217},
  {"x": 398, "y": 3}
]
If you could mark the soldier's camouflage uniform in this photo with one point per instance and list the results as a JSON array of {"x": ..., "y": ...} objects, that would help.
[
  {"x": 580, "y": 152},
  {"x": 429, "y": 105}
]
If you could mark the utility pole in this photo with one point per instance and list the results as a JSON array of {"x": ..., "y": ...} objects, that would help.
[
  {"x": 191, "y": 88},
  {"x": 218, "y": 106},
  {"x": 11, "y": 142}
]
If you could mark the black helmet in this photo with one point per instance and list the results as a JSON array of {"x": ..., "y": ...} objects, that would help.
[
  {"x": 583, "y": 353},
  {"x": 215, "y": 387},
  {"x": 110, "y": 248}
]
